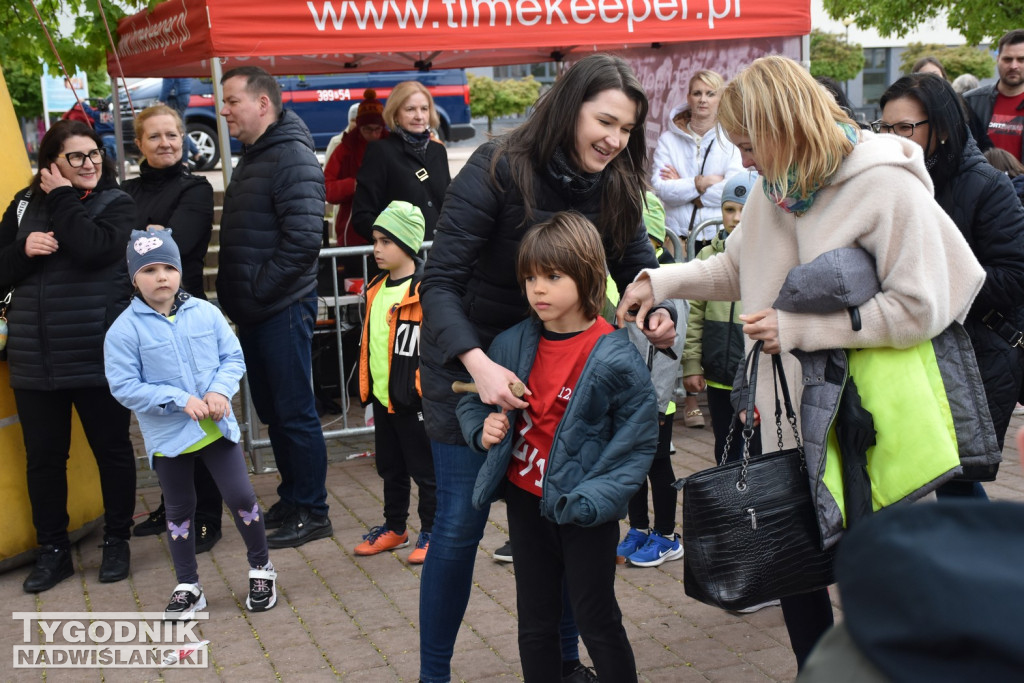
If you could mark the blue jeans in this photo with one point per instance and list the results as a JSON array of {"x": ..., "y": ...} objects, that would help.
[
  {"x": 278, "y": 359},
  {"x": 447, "y": 576}
]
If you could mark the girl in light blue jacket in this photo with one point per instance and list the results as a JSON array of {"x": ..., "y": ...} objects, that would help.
[{"x": 173, "y": 360}]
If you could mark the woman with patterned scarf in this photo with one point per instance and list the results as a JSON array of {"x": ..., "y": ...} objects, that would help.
[
  {"x": 409, "y": 165},
  {"x": 825, "y": 185}
]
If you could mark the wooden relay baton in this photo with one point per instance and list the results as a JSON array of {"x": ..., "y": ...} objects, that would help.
[{"x": 517, "y": 388}]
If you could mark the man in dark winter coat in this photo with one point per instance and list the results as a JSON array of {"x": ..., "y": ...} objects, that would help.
[{"x": 270, "y": 237}]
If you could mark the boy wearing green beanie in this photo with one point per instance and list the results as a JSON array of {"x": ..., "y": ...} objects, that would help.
[{"x": 389, "y": 380}]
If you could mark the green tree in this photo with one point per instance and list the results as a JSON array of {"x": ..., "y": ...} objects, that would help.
[
  {"x": 492, "y": 99},
  {"x": 959, "y": 60},
  {"x": 82, "y": 45},
  {"x": 976, "y": 20},
  {"x": 833, "y": 56}
]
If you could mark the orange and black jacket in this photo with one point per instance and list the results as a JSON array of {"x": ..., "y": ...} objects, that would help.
[{"x": 403, "y": 344}]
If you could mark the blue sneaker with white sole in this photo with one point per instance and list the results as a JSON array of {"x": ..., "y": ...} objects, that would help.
[
  {"x": 657, "y": 550},
  {"x": 634, "y": 540}
]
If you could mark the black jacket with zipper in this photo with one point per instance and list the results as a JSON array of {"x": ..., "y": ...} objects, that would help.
[
  {"x": 470, "y": 292},
  {"x": 272, "y": 227},
  {"x": 983, "y": 204},
  {"x": 182, "y": 202},
  {"x": 393, "y": 170},
  {"x": 63, "y": 303}
]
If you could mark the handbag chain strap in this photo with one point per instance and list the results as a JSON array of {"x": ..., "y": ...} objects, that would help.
[
  {"x": 791, "y": 414},
  {"x": 779, "y": 379}
]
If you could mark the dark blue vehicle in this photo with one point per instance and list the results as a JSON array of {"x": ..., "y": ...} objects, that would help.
[{"x": 321, "y": 101}]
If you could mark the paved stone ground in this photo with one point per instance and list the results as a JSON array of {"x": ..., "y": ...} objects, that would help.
[{"x": 341, "y": 617}]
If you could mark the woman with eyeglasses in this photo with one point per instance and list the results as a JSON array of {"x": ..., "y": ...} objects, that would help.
[
  {"x": 62, "y": 243},
  {"x": 983, "y": 204}
]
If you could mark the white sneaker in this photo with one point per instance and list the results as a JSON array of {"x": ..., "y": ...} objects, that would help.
[
  {"x": 262, "y": 590},
  {"x": 186, "y": 600},
  {"x": 755, "y": 608}
]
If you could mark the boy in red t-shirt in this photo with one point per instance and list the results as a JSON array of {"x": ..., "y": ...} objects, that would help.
[{"x": 575, "y": 456}]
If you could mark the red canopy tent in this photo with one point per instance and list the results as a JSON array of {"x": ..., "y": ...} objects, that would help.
[{"x": 180, "y": 37}]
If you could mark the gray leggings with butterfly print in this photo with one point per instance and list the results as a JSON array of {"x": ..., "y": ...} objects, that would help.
[{"x": 226, "y": 463}]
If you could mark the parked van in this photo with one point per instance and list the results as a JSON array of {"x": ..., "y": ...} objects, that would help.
[{"x": 321, "y": 101}]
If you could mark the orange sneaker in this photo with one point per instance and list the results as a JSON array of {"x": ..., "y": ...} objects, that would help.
[
  {"x": 381, "y": 539},
  {"x": 419, "y": 553}
]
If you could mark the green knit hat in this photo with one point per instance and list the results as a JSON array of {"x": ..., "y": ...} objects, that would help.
[
  {"x": 403, "y": 223},
  {"x": 654, "y": 217}
]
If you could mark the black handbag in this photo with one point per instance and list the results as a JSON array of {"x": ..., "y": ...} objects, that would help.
[{"x": 749, "y": 530}]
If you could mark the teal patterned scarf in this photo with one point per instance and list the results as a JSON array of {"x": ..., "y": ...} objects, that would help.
[{"x": 793, "y": 202}]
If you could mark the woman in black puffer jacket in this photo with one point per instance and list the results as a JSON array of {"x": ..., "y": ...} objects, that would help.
[
  {"x": 62, "y": 243},
  {"x": 983, "y": 204}
]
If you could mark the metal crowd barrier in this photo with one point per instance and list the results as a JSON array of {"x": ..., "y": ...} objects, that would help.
[
  {"x": 336, "y": 301},
  {"x": 691, "y": 245}
]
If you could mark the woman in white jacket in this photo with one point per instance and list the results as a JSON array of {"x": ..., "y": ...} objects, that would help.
[{"x": 693, "y": 160}]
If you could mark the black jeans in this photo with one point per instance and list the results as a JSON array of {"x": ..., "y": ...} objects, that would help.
[
  {"x": 403, "y": 451},
  {"x": 542, "y": 553},
  {"x": 664, "y": 494},
  {"x": 45, "y": 418}
]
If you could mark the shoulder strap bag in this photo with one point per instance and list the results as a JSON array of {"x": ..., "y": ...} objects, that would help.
[
  {"x": 749, "y": 529},
  {"x": 693, "y": 214}
]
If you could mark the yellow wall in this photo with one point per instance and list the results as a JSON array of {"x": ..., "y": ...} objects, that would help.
[
  {"x": 17, "y": 535},
  {"x": 17, "y": 171}
]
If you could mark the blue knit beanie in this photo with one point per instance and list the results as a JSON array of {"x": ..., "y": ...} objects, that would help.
[{"x": 147, "y": 247}]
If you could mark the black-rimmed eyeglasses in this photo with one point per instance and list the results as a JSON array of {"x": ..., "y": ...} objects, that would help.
[
  {"x": 903, "y": 128},
  {"x": 77, "y": 159}
]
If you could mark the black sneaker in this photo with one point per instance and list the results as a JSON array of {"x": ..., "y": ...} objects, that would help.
[
  {"x": 581, "y": 674},
  {"x": 262, "y": 590},
  {"x": 277, "y": 514},
  {"x": 186, "y": 600},
  {"x": 117, "y": 559},
  {"x": 300, "y": 528},
  {"x": 155, "y": 524},
  {"x": 207, "y": 537},
  {"x": 53, "y": 565},
  {"x": 504, "y": 553}
]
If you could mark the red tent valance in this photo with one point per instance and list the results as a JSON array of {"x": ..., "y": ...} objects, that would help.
[{"x": 325, "y": 36}]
